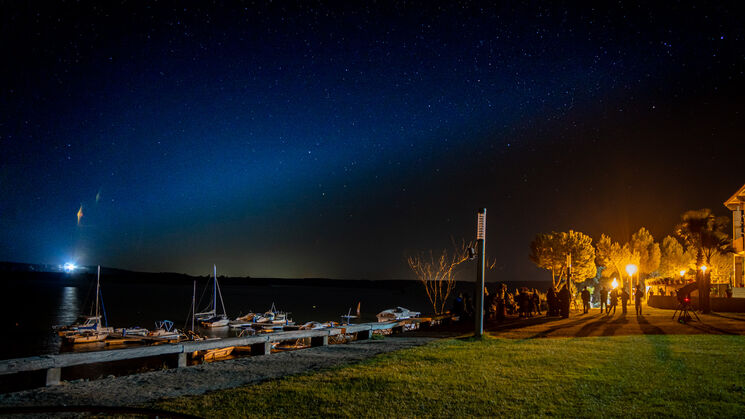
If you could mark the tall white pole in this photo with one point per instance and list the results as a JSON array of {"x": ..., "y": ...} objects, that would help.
[{"x": 479, "y": 292}]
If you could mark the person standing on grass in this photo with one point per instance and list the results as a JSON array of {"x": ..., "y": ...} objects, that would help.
[
  {"x": 603, "y": 299},
  {"x": 551, "y": 300},
  {"x": 564, "y": 301},
  {"x": 613, "y": 302},
  {"x": 536, "y": 300},
  {"x": 638, "y": 297},
  {"x": 624, "y": 300},
  {"x": 585, "y": 300},
  {"x": 501, "y": 304}
]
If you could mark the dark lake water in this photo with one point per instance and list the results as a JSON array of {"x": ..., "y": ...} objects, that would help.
[{"x": 31, "y": 308}]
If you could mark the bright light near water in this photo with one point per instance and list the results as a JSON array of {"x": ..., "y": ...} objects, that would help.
[{"x": 69, "y": 267}]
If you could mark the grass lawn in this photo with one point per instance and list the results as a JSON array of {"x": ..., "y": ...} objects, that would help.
[{"x": 640, "y": 376}]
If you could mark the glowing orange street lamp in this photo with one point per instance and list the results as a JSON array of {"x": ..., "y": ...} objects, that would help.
[
  {"x": 614, "y": 284},
  {"x": 631, "y": 270}
]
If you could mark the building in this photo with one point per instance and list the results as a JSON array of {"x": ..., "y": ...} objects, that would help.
[{"x": 737, "y": 205}]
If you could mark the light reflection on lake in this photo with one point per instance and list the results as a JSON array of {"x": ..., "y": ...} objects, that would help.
[{"x": 69, "y": 308}]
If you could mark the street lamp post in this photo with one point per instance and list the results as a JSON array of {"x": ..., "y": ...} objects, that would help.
[
  {"x": 631, "y": 270},
  {"x": 703, "y": 292},
  {"x": 479, "y": 292}
]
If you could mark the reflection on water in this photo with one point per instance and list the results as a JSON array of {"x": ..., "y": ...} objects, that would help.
[{"x": 69, "y": 307}]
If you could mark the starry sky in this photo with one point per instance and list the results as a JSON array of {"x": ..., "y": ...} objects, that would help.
[{"x": 297, "y": 139}]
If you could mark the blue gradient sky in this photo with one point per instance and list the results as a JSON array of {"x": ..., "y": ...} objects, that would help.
[{"x": 298, "y": 140}]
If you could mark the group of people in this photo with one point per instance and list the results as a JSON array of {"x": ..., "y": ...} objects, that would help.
[
  {"x": 527, "y": 302},
  {"x": 499, "y": 303},
  {"x": 609, "y": 300}
]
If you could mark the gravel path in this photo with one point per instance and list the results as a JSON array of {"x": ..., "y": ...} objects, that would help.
[{"x": 147, "y": 387}]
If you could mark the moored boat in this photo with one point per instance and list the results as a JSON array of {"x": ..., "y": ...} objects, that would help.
[
  {"x": 92, "y": 330},
  {"x": 398, "y": 313},
  {"x": 210, "y": 318},
  {"x": 164, "y": 331}
]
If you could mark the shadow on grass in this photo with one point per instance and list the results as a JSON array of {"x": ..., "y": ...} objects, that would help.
[
  {"x": 548, "y": 331},
  {"x": 587, "y": 329},
  {"x": 647, "y": 328},
  {"x": 740, "y": 319},
  {"x": 709, "y": 329},
  {"x": 611, "y": 327}
]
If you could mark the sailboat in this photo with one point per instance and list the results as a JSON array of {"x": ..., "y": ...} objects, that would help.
[
  {"x": 93, "y": 331},
  {"x": 210, "y": 318},
  {"x": 349, "y": 316}
]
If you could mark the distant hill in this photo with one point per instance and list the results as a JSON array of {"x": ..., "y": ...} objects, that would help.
[{"x": 28, "y": 271}]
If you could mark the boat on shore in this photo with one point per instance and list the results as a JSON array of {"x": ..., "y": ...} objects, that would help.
[
  {"x": 397, "y": 313},
  {"x": 347, "y": 318}
]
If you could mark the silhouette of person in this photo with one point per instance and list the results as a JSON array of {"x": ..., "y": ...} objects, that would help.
[
  {"x": 624, "y": 300},
  {"x": 585, "y": 300},
  {"x": 536, "y": 300},
  {"x": 613, "y": 301},
  {"x": 638, "y": 297},
  {"x": 552, "y": 301},
  {"x": 564, "y": 301},
  {"x": 603, "y": 299}
]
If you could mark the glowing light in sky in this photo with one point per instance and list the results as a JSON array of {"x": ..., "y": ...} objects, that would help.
[
  {"x": 69, "y": 267},
  {"x": 80, "y": 213}
]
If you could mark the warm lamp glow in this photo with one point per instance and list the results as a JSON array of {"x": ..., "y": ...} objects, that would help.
[
  {"x": 703, "y": 268},
  {"x": 683, "y": 272},
  {"x": 631, "y": 269},
  {"x": 614, "y": 284}
]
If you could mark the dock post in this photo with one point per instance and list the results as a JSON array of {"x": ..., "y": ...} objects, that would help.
[
  {"x": 181, "y": 360},
  {"x": 364, "y": 334},
  {"x": 319, "y": 341},
  {"x": 262, "y": 348},
  {"x": 53, "y": 376}
]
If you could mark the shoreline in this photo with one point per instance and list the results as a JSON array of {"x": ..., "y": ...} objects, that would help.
[{"x": 139, "y": 389}]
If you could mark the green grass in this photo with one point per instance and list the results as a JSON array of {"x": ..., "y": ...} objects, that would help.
[{"x": 638, "y": 376}]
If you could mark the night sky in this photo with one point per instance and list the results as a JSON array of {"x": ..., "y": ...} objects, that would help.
[{"x": 303, "y": 140}]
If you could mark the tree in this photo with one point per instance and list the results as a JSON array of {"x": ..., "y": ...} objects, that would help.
[
  {"x": 545, "y": 252},
  {"x": 549, "y": 251},
  {"x": 674, "y": 258},
  {"x": 706, "y": 233},
  {"x": 614, "y": 257},
  {"x": 437, "y": 274},
  {"x": 642, "y": 243},
  {"x": 720, "y": 268},
  {"x": 579, "y": 245}
]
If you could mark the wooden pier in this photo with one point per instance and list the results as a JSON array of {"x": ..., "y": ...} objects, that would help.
[{"x": 259, "y": 345}]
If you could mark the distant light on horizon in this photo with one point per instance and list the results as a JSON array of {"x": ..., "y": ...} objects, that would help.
[{"x": 69, "y": 267}]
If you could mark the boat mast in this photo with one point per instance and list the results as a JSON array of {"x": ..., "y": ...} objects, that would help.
[
  {"x": 193, "y": 304},
  {"x": 98, "y": 284},
  {"x": 214, "y": 291}
]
